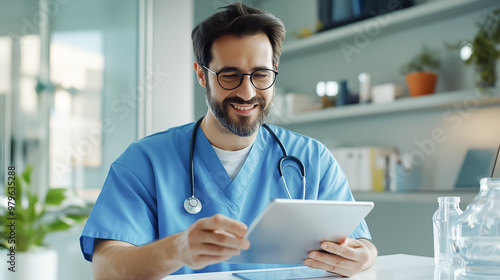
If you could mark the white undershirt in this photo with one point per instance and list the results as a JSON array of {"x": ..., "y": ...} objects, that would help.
[{"x": 233, "y": 160}]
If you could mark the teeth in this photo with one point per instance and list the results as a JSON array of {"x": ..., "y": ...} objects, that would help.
[{"x": 242, "y": 108}]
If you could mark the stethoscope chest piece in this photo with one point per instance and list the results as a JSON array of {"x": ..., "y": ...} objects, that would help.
[{"x": 192, "y": 205}]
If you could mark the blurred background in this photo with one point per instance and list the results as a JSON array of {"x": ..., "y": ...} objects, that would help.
[{"x": 81, "y": 80}]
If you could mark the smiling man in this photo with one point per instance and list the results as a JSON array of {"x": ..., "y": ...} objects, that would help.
[
  {"x": 180, "y": 201},
  {"x": 238, "y": 103}
]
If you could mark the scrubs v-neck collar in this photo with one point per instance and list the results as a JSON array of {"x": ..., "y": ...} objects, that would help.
[{"x": 233, "y": 190}]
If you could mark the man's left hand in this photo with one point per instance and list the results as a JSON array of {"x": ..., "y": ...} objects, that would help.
[{"x": 346, "y": 258}]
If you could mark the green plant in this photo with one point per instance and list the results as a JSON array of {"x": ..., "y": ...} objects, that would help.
[
  {"x": 33, "y": 219},
  {"x": 426, "y": 60},
  {"x": 484, "y": 49}
]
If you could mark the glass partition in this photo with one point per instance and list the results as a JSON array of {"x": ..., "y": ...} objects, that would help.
[{"x": 92, "y": 104}]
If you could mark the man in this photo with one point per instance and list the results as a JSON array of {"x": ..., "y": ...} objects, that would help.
[{"x": 139, "y": 228}]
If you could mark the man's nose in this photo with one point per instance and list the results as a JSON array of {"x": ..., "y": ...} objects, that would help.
[{"x": 246, "y": 90}]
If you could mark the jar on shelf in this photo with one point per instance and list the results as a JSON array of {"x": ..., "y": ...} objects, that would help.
[{"x": 476, "y": 233}]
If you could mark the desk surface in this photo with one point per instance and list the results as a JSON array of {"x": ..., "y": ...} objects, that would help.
[{"x": 386, "y": 267}]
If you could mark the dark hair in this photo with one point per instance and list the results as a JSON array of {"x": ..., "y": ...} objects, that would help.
[{"x": 239, "y": 20}]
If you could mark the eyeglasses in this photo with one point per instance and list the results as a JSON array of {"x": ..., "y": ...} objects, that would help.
[{"x": 230, "y": 79}]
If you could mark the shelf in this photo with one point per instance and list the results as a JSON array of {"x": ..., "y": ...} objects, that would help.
[
  {"x": 466, "y": 196},
  {"x": 438, "y": 100},
  {"x": 387, "y": 23}
]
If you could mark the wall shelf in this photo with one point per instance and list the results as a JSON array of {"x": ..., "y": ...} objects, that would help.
[
  {"x": 391, "y": 22},
  {"x": 418, "y": 196},
  {"x": 434, "y": 101}
]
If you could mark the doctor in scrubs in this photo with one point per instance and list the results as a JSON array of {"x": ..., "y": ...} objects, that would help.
[{"x": 140, "y": 227}]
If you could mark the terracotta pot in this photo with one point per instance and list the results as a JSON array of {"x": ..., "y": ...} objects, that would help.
[{"x": 421, "y": 83}]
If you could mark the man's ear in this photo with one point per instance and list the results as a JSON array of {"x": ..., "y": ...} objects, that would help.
[{"x": 200, "y": 74}]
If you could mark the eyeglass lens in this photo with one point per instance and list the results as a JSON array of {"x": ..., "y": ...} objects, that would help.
[{"x": 261, "y": 79}]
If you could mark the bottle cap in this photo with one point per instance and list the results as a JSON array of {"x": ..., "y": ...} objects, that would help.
[{"x": 448, "y": 199}]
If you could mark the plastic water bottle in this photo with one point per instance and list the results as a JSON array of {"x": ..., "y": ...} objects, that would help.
[{"x": 443, "y": 220}]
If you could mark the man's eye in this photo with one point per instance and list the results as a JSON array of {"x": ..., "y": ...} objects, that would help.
[{"x": 231, "y": 75}]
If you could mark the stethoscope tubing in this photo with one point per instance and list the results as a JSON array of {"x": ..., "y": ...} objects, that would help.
[
  {"x": 191, "y": 154},
  {"x": 193, "y": 205}
]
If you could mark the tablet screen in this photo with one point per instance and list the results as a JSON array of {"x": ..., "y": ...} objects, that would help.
[{"x": 287, "y": 230}]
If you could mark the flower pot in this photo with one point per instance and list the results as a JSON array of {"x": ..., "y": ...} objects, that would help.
[
  {"x": 40, "y": 264},
  {"x": 421, "y": 83}
]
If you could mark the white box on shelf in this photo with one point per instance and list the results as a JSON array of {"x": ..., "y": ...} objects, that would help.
[
  {"x": 349, "y": 163},
  {"x": 299, "y": 103},
  {"x": 386, "y": 93},
  {"x": 365, "y": 167}
]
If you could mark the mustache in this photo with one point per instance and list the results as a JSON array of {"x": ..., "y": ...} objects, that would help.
[{"x": 235, "y": 99}]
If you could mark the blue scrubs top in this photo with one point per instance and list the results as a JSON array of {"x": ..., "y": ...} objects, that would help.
[{"x": 143, "y": 196}]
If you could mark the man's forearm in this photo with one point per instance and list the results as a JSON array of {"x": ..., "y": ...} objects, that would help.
[{"x": 119, "y": 260}]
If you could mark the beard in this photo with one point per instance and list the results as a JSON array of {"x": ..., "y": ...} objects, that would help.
[{"x": 244, "y": 126}]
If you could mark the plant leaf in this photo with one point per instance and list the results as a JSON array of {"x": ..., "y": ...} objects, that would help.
[
  {"x": 27, "y": 174},
  {"x": 55, "y": 196},
  {"x": 32, "y": 212},
  {"x": 58, "y": 225},
  {"x": 78, "y": 218},
  {"x": 4, "y": 236}
]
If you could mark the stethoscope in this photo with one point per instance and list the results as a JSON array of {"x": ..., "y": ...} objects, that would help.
[{"x": 193, "y": 204}]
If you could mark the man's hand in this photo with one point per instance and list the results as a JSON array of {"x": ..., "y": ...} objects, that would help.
[
  {"x": 207, "y": 241},
  {"x": 346, "y": 258},
  {"x": 211, "y": 240}
]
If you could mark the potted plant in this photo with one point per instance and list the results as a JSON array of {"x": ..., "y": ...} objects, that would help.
[
  {"x": 483, "y": 50},
  {"x": 417, "y": 72},
  {"x": 26, "y": 220}
]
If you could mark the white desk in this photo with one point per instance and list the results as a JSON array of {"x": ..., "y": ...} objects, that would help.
[{"x": 391, "y": 267}]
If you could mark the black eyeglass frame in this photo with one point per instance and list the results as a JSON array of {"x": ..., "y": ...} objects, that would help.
[{"x": 241, "y": 77}]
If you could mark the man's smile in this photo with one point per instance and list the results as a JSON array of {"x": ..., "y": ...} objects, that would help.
[{"x": 244, "y": 109}]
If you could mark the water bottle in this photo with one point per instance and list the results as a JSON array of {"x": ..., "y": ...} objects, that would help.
[
  {"x": 476, "y": 234},
  {"x": 443, "y": 220}
]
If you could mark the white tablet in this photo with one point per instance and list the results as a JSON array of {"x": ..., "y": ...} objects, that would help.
[{"x": 287, "y": 230}]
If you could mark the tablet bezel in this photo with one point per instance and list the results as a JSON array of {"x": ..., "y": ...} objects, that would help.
[{"x": 286, "y": 230}]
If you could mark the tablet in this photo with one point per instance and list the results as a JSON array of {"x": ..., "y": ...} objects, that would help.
[
  {"x": 286, "y": 274},
  {"x": 287, "y": 230}
]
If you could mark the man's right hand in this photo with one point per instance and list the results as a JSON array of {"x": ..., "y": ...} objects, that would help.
[
  {"x": 207, "y": 241},
  {"x": 211, "y": 240}
]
